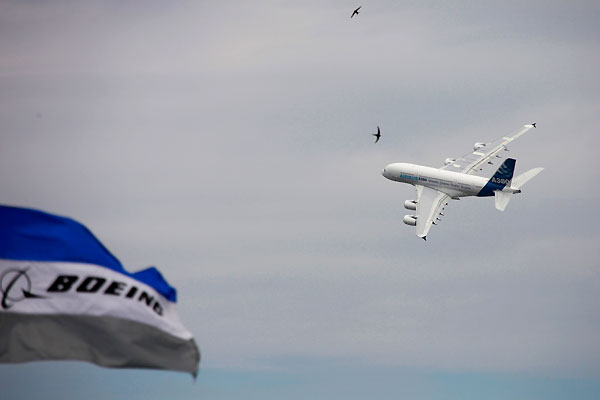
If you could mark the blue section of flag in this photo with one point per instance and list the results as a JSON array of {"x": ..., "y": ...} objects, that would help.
[{"x": 33, "y": 235}]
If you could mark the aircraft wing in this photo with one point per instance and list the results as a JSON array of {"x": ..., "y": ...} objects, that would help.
[
  {"x": 429, "y": 206},
  {"x": 471, "y": 162}
]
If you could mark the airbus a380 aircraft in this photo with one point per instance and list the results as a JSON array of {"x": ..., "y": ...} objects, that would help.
[{"x": 457, "y": 179}]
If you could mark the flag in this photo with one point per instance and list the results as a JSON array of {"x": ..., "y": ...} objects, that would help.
[{"x": 64, "y": 296}]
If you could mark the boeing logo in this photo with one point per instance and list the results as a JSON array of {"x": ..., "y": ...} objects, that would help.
[{"x": 15, "y": 286}]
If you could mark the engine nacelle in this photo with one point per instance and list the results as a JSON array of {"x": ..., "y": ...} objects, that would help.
[
  {"x": 410, "y": 220},
  {"x": 410, "y": 205},
  {"x": 449, "y": 160},
  {"x": 478, "y": 145}
]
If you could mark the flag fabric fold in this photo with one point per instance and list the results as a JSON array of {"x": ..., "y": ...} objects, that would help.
[{"x": 64, "y": 296}]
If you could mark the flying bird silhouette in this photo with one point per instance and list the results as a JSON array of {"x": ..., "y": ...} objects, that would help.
[
  {"x": 377, "y": 135},
  {"x": 355, "y": 12}
]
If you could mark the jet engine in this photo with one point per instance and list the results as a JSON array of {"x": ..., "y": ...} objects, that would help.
[
  {"x": 410, "y": 220},
  {"x": 449, "y": 160},
  {"x": 410, "y": 205},
  {"x": 478, "y": 145}
]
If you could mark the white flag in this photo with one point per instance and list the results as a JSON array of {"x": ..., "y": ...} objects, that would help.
[{"x": 64, "y": 296}]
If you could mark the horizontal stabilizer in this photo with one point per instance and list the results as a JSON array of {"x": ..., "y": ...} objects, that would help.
[
  {"x": 502, "y": 199},
  {"x": 522, "y": 179}
]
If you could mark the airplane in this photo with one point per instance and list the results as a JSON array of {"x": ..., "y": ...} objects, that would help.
[{"x": 456, "y": 179}]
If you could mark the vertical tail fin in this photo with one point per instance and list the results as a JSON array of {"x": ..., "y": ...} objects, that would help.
[{"x": 503, "y": 176}]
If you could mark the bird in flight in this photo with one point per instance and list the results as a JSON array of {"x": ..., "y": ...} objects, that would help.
[
  {"x": 355, "y": 12},
  {"x": 377, "y": 135}
]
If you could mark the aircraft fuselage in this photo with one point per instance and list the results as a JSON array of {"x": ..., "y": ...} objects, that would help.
[{"x": 455, "y": 184}]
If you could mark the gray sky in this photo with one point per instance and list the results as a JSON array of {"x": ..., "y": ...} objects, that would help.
[{"x": 228, "y": 143}]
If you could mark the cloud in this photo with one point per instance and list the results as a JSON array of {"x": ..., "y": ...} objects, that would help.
[{"x": 229, "y": 144}]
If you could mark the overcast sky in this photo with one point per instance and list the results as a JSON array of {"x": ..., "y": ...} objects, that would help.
[{"x": 229, "y": 144}]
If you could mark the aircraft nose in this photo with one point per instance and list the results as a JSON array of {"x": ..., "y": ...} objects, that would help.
[{"x": 385, "y": 172}]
